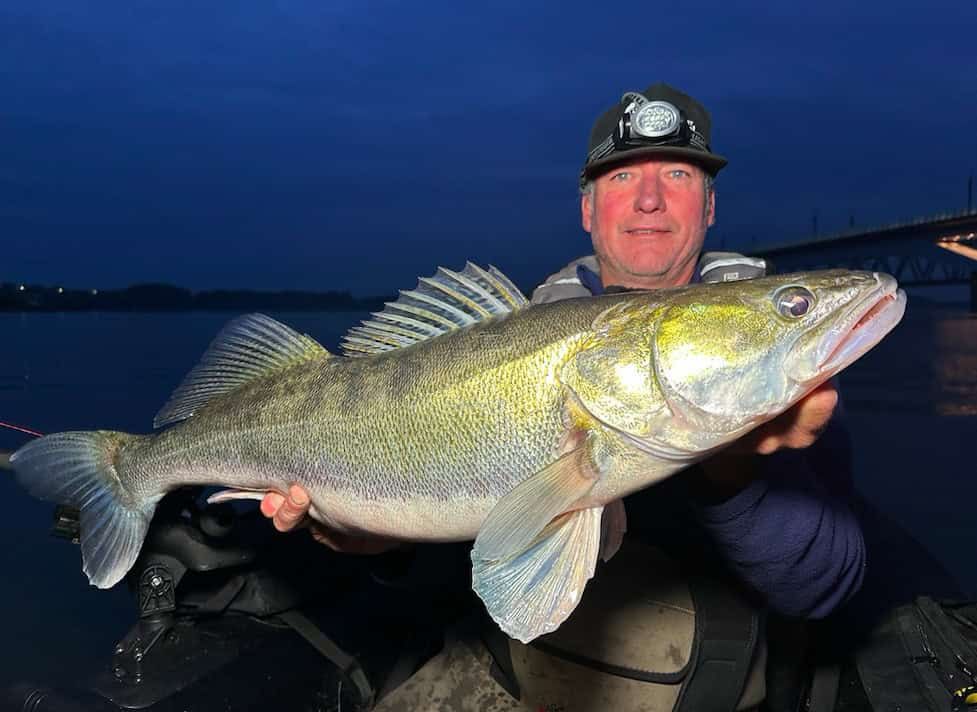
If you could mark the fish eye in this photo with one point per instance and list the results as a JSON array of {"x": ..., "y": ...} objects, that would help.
[{"x": 793, "y": 302}]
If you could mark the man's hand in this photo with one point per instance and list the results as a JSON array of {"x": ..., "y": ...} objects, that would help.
[
  {"x": 732, "y": 470},
  {"x": 292, "y": 511},
  {"x": 286, "y": 513},
  {"x": 798, "y": 427}
]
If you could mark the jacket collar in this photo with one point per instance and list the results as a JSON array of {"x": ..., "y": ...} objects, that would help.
[{"x": 591, "y": 279}]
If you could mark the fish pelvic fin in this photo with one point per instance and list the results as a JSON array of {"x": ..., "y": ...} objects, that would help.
[
  {"x": 79, "y": 469},
  {"x": 613, "y": 527},
  {"x": 442, "y": 303},
  {"x": 248, "y": 348},
  {"x": 534, "y": 591}
]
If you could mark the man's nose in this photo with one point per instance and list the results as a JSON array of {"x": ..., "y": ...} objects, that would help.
[{"x": 649, "y": 197}]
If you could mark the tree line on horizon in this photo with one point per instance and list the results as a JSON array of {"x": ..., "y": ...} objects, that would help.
[{"x": 168, "y": 297}]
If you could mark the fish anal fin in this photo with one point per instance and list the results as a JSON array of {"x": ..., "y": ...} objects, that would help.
[
  {"x": 229, "y": 495},
  {"x": 248, "y": 348},
  {"x": 533, "y": 592}
]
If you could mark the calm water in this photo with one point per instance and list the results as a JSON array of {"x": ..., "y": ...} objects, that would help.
[{"x": 912, "y": 405}]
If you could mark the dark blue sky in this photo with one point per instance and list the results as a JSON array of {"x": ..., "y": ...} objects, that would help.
[{"x": 316, "y": 144}]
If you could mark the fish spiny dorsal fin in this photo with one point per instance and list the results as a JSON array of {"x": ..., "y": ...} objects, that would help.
[
  {"x": 248, "y": 348},
  {"x": 439, "y": 304}
]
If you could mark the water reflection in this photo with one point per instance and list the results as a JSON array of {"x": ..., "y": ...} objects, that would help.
[
  {"x": 956, "y": 372},
  {"x": 927, "y": 365}
]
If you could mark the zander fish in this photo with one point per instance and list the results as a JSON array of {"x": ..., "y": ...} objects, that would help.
[{"x": 460, "y": 412}]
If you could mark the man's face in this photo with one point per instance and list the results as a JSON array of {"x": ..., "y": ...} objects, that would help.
[{"x": 648, "y": 220}]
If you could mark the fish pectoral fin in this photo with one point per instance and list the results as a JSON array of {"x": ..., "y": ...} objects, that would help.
[
  {"x": 532, "y": 592},
  {"x": 232, "y": 494},
  {"x": 613, "y": 526},
  {"x": 521, "y": 514}
]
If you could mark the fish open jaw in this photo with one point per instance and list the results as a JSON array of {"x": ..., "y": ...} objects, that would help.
[{"x": 877, "y": 317}]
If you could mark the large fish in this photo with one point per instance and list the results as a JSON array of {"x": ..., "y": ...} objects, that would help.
[{"x": 460, "y": 412}]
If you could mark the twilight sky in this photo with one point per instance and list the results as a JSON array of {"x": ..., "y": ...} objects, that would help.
[{"x": 340, "y": 144}]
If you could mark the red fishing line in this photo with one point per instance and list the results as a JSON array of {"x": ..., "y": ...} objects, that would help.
[{"x": 18, "y": 428}]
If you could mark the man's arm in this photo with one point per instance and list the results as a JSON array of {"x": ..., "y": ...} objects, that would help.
[{"x": 782, "y": 520}]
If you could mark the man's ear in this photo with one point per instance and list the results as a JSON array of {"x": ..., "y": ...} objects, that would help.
[
  {"x": 711, "y": 217},
  {"x": 586, "y": 210}
]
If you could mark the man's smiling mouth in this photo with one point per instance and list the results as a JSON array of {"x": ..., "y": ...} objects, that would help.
[{"x": 646, "y": 231}]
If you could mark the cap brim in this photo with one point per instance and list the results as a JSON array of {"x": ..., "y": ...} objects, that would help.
[{"x": 711, "y": 163}]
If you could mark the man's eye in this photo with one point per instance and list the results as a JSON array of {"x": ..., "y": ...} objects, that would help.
[
  {"x": 620, "y": 177},
  {"x": 679, "y": 173}
]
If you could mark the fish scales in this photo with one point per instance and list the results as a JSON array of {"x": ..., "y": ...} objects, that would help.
[{"x": 467, "y": 415}]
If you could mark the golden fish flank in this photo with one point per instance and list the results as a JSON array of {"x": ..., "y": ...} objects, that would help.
[{"x": 460, "y": 412}]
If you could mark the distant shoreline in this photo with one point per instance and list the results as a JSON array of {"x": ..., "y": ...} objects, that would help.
[{"x": 170, "y": 298}]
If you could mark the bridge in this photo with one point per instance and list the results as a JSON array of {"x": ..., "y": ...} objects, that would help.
[{"x": 928, "y": 251}]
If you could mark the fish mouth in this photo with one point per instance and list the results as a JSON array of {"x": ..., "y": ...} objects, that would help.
[{"x": 875, "y": 316}]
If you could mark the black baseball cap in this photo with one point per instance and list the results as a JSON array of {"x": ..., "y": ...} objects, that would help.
[{"x": 689, "y": 142}]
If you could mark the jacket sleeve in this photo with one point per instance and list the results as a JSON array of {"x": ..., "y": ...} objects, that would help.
[{"x": 791, "y": 534}]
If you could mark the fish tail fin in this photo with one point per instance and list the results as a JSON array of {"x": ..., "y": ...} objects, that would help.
[{"x": 79, "y": 469}]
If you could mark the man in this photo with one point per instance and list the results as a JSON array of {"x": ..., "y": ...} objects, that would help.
[{"x": 780, "y": 523}]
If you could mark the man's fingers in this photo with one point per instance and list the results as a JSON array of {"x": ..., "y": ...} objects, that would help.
[
  {"x": 288, "y": 512},
  {"x": 820, "y": 405},
  {"x": 324, "y": 536},
  {"x": 293, "y": 509},
  {"x": 271, "y": 503},
  {"x": 770, "y": 444},
  {"x": 352, "y": 544},
  {"x": 797, "y": 427},
  {"x": 811, "y": 417}
]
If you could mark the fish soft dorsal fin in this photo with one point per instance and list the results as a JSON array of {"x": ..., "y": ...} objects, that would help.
[
  {"x": 439, "y": 304},
  {"x": 249, "y": 347}
]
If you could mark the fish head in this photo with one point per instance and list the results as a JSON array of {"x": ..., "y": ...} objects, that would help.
[
  {"x": 730, "y": 356},
  {"x": 683, "y": 372}
]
